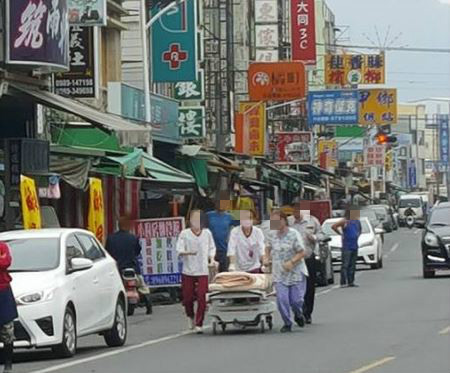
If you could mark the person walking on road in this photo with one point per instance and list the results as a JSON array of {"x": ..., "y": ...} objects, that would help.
[
  {"x": 8, "y": 309},
  {"x": 196, "y": 248},
  {"x": 125, "y": 248},
  {"x": 220, "y": 223},
  {"x": 350, "y": 230},
  {"x": 287, "y": 250},
  {"x": 246, "y": 247},
  {"x": 310, "y": 229}
]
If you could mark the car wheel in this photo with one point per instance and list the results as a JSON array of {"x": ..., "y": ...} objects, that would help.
[
  {"x": 68, "y": 346},
  {"x": 428, "y": 273},
  {"x": 117, "y": 336}
]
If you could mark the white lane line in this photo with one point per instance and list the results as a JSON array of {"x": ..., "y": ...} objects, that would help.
[
  {"x": 395, "y": 247},
  {"x": 105, "y": 355},
  {"x": 416, "y": 231},
  {"x": 373, "y": 365},
  {"x": 328, "y": 290},
  {"x": 445, "y": 331}
]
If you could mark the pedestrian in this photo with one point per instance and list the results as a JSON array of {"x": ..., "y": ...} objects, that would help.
[
  {"x": 8, "y": 309},
  {"x": 287, "y": 251},
  {"x": 220, "y": 223},
  {"x": 350, "y": 230},
  {"x": 195, "y": 247},
  {"x": 310, "y": 230},
  {"x": 246, "y": 246},
  {"x": 125, "y": 248}
]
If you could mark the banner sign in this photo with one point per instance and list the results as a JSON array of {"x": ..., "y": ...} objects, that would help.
[
  {"x": 374, "y": 156},
  {"x": 31, "y": 211},
  {"x": 329, "y": 147},
  {"x": 253, "y": 133},
  {"x": 280, "y": 81},
  {"x": 267, "y": 55},
  {"x": 303, "y": 29},
  {"x": 412, "y": 174},
  {"x": 191, "y": 91},
  {"x": 333, "y": 107},
  {"x": 191, "y": 122},
  {"x": 96, "y": 214},
  {"x": 37, "y": 34},
  {"x": 354, "y": 69},
  {"x": 174, "y": 44},
  {"x": 266, "y": 11},
  {"x": 293, "y": 147},
  {"x": 377, "y": 106},
  {"x": 159, "y": 260},
  {"x": 81, "y": 80},
  {"x": 87, "y": 12},
  {"x": 444, "y": 137},
  {"x": 266, "y": 36}
]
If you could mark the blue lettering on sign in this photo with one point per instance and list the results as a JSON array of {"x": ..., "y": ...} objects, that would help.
[
  {"x": 333, "y": 107},
  {"x": 165, "y": 279}
]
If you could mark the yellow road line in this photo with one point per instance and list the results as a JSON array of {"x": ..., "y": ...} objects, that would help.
[
  {"x": 374, "y": 365},
  {"x": 445, "y": 331}
]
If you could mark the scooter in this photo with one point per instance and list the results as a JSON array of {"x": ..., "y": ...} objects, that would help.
[
  {"x": 410, "y": 218},
  {"x": 130, "y": 283}
]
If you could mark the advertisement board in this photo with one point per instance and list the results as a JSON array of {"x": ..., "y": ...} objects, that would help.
[
  {"x": 444, "y": 137},
  {"x": 377, "y": 106},
  {"x": 191, "y": 122},
  {"x": 31, "y": 211},
  {"x": 251, "y": 136},
  {"x": 374, "y": 156},
  {"x": 87, "y": 12},
  {"x": 293, "y": 147},
  {"x": 96, "y": 214},
  {"x": 303, "y": 31}
]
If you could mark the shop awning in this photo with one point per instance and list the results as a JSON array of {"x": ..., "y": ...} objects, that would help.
[{"x": 128, "y": 133}]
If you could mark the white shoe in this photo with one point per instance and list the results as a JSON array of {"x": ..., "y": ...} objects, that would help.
[
  {"x": 191, "y": 324},
  {"x": 199, "y": 330}
]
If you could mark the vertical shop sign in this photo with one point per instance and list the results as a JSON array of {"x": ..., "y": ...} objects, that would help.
[
  {"x": 303, "y": 28},
  {"x": 31, "y": 211},
  {"x": 96, "y": 216}
]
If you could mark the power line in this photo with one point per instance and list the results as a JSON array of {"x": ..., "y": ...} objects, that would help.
[{"x": 398, "y": 49}]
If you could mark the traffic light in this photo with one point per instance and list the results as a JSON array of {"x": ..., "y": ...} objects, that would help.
[{"x": 383, "y": 138}]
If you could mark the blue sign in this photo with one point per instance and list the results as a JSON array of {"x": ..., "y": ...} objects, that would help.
[
  {"x": 444, "y": 137},
  {"x": 333, "y": 107},
  {"x": 174, "y": 44},
  {"x": 412, "y": 174},
  {"x": 168, "y": 279}
]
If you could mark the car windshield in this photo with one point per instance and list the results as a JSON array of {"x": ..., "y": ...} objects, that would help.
[
  {"x": 34, "y": 254},
  {"x": 371, "y": 215},
  {"x": 410, "y": 202},
  {"x": 326, "y": 228},
  {"x": 440, "y": 217},
  {"x": 380, "y": 211}
]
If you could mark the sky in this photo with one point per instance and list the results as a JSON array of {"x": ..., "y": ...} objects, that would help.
[{"x": 414, "y": 23}]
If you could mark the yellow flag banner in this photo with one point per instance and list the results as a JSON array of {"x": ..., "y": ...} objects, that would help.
[
  {"x": 96, "y": 217},
  {"x": 31, "y": 211}
]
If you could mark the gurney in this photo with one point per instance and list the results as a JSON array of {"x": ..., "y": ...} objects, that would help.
[{"x": 241, "y": 299}]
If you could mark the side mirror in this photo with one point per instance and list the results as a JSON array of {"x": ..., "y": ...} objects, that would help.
[
  {"x": 80, "y": 264},
  {"x": 379, "y": 231}
]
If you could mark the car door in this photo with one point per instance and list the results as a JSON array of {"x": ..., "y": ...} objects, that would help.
[
  {"x": 82, "y": 286},
  {"x": 104, "y": 277}
]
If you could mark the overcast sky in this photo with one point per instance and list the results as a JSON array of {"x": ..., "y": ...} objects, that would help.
[{"x": 422, "y": 23}]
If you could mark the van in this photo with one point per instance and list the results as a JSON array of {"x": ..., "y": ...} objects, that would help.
[{"x": 416, "y": 204}]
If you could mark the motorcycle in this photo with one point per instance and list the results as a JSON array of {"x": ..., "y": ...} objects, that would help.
[
  {"x": 410, "y": 218},
  {"x": 136, "y": 295}
]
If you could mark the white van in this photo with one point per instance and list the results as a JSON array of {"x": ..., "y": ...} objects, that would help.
[{"x": 416, "y": 204}]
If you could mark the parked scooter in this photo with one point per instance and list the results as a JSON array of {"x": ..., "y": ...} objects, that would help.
[{"x": 136, "y": 294}]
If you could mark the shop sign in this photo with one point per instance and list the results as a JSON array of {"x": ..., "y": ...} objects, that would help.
[
  {"x": 96, "y": 215},
  {"x": 191, "y": 91},
  {"x": 303, "y": 31},
  {"x": 412, "y": 174},
  {"x": 333, "y": 107},
  {"x": 267, "y": 55},
  {"x": 251, "y": 130},
  {"x": 37, "y": 34},
  {"x": 31, "y": 211},
  {"x": 293, "y": 147},
  {"x": 279, "y": 81},
  {"x": 374, "y": 156},
  {"x": 174, "y": 44},
  {"x": 87, "y": 12},
  {"x": 159, "y": 260},
  {"x": 328, "y": 147},
  {"x": 266, "y": 11},
  {"x": 191, "y": 122},
  {"x": 81, "y": 80},
  {"x": 377, "y": 106},
  {"x": 266, "y": 36},
  {"x": 444, "y": 138},
  {"x": 353, "y": 69}
]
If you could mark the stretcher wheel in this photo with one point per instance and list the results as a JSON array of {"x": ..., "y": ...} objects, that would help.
[
  {"x": 214, "y": 327},
  {"x": 263, "y": 326}
]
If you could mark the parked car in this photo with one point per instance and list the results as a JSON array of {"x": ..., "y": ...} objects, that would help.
[
  {"x": 385, "y": 216},
  {"x": 370, "y": 244},
  {"x": 411, "y": 203},
  {"x": 436, "y": 241},
  {"x": 66, "y": 286}
]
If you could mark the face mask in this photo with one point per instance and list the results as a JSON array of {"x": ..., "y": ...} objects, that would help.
[{"x": 247, "y": 223}]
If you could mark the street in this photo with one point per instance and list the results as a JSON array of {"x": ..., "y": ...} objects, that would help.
[{"x": 395, "y": 322}]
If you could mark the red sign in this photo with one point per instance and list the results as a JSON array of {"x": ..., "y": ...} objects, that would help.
[
  {"x": 276, "y": 81},
  {"x": 303, "y": 28},
  {"x": 293, "y": 147},
  {"x": 375, "y": 156}
]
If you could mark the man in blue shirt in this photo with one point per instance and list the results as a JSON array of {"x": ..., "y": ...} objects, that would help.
[{"x": 220, "y": 223}]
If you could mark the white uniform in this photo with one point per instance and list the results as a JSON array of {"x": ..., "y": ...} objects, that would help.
[{"x": 247, "y": 250}]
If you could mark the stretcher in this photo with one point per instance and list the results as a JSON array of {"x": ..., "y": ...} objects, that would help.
[{"x": 242, "y": 306}]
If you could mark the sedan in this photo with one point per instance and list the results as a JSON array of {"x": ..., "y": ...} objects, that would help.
[
  {"x": 370, "y": 250},
  {"x": 66, "y": 286}
]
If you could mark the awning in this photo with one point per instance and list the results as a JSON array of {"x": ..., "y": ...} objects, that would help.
[{"x": 128, "y": 133}]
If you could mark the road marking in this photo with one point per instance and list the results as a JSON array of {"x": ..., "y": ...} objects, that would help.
[
  {"x": 416, "y": 231},
  {"x": 112, "y": 353},
  {"x": 395, "y": 247},
  {"x": 445, "y": 331},
  {"x": 374, "y": 365},
  {"x": 328, "y": 290}
]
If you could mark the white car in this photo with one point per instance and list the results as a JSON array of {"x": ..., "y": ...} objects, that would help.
[
  {"x": 370, "y": 243},
  {"x": 66, "y": 286}
]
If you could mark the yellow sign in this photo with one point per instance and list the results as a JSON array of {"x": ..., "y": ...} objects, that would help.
[
  {"x": 254, "y": 123},
  {"x": 96, "y": 217},
  {"x": 354, "y": 69},
  {"x": 389, "y": 161},
  {"x": 31, "y": 211},
  {"x": 378, "y": 107},
  {"x": 330, "y": 148}
]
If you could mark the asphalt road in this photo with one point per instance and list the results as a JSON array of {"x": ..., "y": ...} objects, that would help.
[{"x": 395, "y": 322}]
